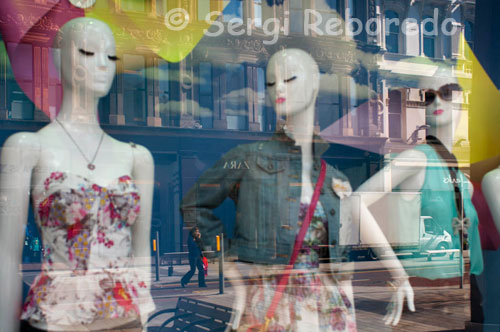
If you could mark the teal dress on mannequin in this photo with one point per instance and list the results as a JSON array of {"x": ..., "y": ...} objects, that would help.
[{"x": 438, "y": 202}]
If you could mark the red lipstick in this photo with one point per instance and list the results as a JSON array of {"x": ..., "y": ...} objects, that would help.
[
  {"x": 280, "y": 100},
  {"x": 438, "y": 112}
]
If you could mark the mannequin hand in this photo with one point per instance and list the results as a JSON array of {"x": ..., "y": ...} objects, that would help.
[{"x": 395, "y": 307}]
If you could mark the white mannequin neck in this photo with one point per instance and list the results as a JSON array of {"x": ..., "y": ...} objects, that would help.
[
  {"x": 84, "y": 114},
  {"x": 444, "y": 133},
  {"x": 300, "y": 126},
  {"x": 293, "y": 84}
]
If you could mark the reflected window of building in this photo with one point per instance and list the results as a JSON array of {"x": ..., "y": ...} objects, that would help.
[
  {"x": 132, "y": 5},
  {"x": 164, "y": 92},
  {"x": 353, "y": 105},
  {"x": 469, "y": 35},
  {"x": 296, "y": 16},
  {"x": 203, "y": 9},
  {"x": 328, "y": 101},
  {"x": 134, "y": 89},
  {"x": 429, "y": 38},
  {"x": 19, "y": 106},
  {"x": 327, "y": 9},
  {"x": 234, "y": 9},
  {"x": 257, "y": 13},
  {"x": 395, "y": 105},
  {"x": 358, "y": 11},
  {"x": 107, "y": 103},
  {"x": 206, "y": 104},
  {"x": 392, "y": 31},
  {"x": 261, "y": 98},
  {"x": 235, "y": 97},
  {"x": 161, "y": 7}
]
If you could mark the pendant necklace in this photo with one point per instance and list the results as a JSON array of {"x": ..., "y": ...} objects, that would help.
[{"x": 90, "y": 163}]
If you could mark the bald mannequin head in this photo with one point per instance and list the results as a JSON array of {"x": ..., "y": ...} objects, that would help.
[
  {"x": 292, "y": 81},
  {"x": 87, "y": 56}
]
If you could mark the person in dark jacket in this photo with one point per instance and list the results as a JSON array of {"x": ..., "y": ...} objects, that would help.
[{"x": 195, "y": 258}]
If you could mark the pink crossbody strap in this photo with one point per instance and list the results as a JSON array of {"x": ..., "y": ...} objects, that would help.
[{"x": 296, "y": 249}]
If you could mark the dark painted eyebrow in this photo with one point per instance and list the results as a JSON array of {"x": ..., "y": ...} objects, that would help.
[{"x": 290, "y": 79}]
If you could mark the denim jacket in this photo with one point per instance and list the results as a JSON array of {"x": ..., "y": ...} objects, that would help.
[{"x": 264, "y": 180}]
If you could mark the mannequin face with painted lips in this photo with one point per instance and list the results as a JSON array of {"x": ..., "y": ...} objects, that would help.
[
  {"x": 88, "y": 57},
  {"x": 292, "y": 81},
  {"x": 439, "y": 102}
]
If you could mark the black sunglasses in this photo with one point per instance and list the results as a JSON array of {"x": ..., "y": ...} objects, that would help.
[{"x": 445, "y": 93}]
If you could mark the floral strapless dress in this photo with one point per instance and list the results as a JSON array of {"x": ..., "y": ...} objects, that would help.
[
  {"x": 86, "y": 232},
  {"x": 313, "y": 300}
]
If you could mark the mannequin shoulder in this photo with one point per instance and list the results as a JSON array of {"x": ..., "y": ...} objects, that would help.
[
  {"x": 24, "y": 144},
  {"x": 23, "y": 140},
  {"x": 142, "y": 156},
  {"x": 491, "y": 181},
  {"x": 138, "y": 153},
  {"x": 411, "y": 155}
]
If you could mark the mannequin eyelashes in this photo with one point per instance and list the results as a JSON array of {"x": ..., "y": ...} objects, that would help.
[
  {"x": 269, "y": 84},
  {"x": 88, "y": 53}
]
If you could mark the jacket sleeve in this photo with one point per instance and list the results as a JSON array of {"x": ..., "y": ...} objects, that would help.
[{"x": 210, "y": 190}]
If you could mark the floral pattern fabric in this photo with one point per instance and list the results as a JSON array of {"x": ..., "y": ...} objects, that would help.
[
  {"x": 86, "y": 232},
  {"x": 312, "y": 301}
]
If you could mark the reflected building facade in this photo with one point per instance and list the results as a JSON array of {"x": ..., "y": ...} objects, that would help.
[{"x": 191, "y": 112}]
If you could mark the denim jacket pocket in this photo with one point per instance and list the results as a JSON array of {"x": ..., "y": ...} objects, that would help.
[{"x": 270, "y": 165}]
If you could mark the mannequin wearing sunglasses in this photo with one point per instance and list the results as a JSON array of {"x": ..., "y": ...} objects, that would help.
[{"x": 431, "y": 170}]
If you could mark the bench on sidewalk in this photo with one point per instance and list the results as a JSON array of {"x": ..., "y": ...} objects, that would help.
[
  {"x": 452, "y": 252},
  {"x": 194, "y": 316}
]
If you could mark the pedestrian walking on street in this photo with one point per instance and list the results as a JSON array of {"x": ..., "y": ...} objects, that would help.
[{"x": 195, "y": 258}]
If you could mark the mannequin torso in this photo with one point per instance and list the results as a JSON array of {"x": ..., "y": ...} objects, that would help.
[{"x": 67, "y": 146}]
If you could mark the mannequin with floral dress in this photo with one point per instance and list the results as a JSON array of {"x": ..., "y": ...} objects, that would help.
[{"x": 92, "y": 199}]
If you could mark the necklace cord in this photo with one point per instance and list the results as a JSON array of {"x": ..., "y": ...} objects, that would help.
[{"x": 90, "y": 162}]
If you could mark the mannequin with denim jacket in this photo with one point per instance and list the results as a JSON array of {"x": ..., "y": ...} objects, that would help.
[
  {"x": 292, "y": 85},
  {"x": 73, "y": 150}
]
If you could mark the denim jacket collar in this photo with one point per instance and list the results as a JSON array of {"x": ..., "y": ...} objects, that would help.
[{"x": 319, "y": 144}]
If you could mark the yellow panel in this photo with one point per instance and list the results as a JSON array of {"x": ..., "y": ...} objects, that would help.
[{"x": 171, "y": 35}]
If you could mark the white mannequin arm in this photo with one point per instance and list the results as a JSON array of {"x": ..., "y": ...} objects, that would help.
[
  {"x": 143, "y": 175},
  {"x": 407, "y": 169},
  {"x": 240, "y": 291},
  {"x": 491, "y": 190},
  {"x": 372, "y": 233},
  {"x": 19, "y": 156}
]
